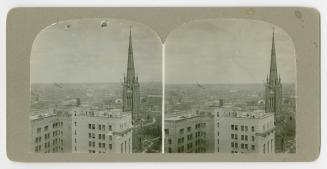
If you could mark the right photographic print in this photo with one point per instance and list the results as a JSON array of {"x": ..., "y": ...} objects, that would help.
[{"x": 230, "y": 87}]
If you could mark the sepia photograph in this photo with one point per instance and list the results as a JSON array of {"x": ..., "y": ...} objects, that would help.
[
  {"x": 96, "y": 87},
  {"x": 230, "y": 87}
]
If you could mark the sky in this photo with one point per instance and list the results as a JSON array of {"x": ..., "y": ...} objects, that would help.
[
  {"x": 227, "y": 51},
  {"x": 204, "y": 51},
  {"x": 80, "y": 51}
]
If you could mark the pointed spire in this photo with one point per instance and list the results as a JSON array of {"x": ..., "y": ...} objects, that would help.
[
  {"x": 130, "y": 64},
  {"x": 273, "y": 65}
]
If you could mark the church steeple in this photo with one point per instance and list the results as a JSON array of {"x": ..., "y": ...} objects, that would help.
[
  {"x": 131, "y": 87},
  {"x": 130, "y": 63},
  {"x": 273, "y": 91},
  {"x": 273, "y": 77}
]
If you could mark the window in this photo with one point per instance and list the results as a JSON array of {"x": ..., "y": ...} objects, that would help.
[
  {"x": 93, "y": 126},
  {"x": 189, "y": 137},
  {"x": 110, "y": 127},
  {"x": 110, "y": 138},
  {"x": 232, "y": 144},
  {"x": 181, "y": 131},
  {"x": 218, "y": 133},
  {"x": 90, "y": 143},
  {"x": 75, "y": 123},
  {"x": 169, "y": 141},
  {"x": 46, "y": 128},
  {"x": 38, "y": 130},
  {"x": 217, "y": 124},
  {"x": 232, "y": 127},
  {"x": 99, "y": 136},
  {"x": 169, "y": 150},
  {"x": 246, "y": 146},
  {"x": 246, "y": 138},
  {"x": 252, "y": 128},
  {"x": 246, "y": 128},
  {"x": 90, "y": 127},
  {"x": 236, "y": 127},
  {"x": 252, "y": 138},
  {"x": 99, "y": 127},
  {"x": 242, "y": 128},
  {"x": 232, "y": 136},
  {"x": 90, "y": 135},
  {"x": 252, "y": 147},
  {"x": 242, "y": 146},
  {"x": 188, "y": 129},
  {"x": 166, "y": 132},
  {"x": 242, "y": 137},
  {"x": 236, "y": 145},
  {"x": 110, "y": 146}
]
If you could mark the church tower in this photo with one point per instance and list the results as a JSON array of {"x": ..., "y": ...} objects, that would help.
[
  {"x": 131, "y": 86},
  {"x": 273, "y": 92}
]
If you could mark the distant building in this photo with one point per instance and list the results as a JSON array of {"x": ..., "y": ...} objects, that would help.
[
  {"x": 189, "y": 134},
  {"x": 51, "y": 132},
  {"x": 131, "y": 86},
  {"x": 108, "y": 131},
  {"x": 244, "y": 132}
]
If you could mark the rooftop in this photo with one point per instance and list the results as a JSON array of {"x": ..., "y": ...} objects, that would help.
[
  {"x": 249, "y": 115},
  {"x": 41, "y": 116},
  {"x": 181, "y": 117}
]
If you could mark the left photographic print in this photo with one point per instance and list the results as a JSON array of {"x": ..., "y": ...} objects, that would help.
[{"x": 96, "y": 87}]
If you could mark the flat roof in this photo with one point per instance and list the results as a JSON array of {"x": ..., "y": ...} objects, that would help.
[
  {"x": 247, "y": 115},
  {"x": 181, "y": 117}
]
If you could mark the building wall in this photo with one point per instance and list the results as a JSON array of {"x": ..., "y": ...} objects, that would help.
[
  {"x": 101, "y": 133},
  {"x": 237, "y": 134},
  {"x": 50, "y": 133},
  {"x": 189, "y": 134}
]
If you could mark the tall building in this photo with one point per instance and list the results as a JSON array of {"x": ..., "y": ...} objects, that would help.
[
  {"x": 191, "y": 133},
  {"x": 106, "y": 131},
  {"x": 131, "y": 86},
  {"x": 51, "y": 132},
  {"x": 244, "y": 132},
  {"x": 273, "y": 91}
]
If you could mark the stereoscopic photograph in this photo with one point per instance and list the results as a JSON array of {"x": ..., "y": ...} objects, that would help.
[
  {"x": 96, "y": 87},
  {"x": 230, "y": 87}
]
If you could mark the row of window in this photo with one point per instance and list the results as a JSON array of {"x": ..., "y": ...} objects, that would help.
[
  {"x": 100, "y": 136},
  {"x": 243, "y": 128},
  {"x": 101, "y": 127},
  {"x": 189, "y": 129},
  {"x": 54, "y": 149},
  {"x": 243, "y": 146},
  {"x": 243, "y": 137}
]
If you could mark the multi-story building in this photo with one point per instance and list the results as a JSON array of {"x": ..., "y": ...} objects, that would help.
[
  {"x": 192, "y": 133},
  {"x": 51, "y": 132},
  {"x": 244, "y": 132},
  {"x": 107, "y": 131}
]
